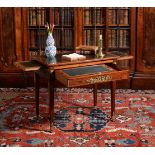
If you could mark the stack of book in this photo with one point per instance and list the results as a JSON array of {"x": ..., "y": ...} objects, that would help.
[{"x": 83, "y": 49}]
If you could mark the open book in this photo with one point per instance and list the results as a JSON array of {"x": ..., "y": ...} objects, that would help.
[{"x": 73, "y": 57}]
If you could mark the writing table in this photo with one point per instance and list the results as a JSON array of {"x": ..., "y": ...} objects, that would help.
[{"x": 91, "y": 71}]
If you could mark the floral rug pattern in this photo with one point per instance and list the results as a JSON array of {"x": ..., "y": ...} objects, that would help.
[{"x": 77, "y": 123}]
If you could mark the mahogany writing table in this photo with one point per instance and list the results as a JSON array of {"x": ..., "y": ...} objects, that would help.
[{"x": 91, "y": 71}]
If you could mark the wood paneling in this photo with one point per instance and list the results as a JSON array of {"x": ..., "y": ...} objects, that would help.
[
  {"x": 13, "y": 79},
  {"x": 146, "y": 40},
  {"x": 13, "y": 38},
  {"x": 144, "y": 73},
  {"x": 143, "y": 81},
  {"x": 8, "y": 53},
  {"x": 133, "y": 39},
  {"x": 21, "y": 33}
]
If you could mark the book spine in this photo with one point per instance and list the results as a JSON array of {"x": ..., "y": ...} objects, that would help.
[
  {"x": 43, "y": 17},
  {"x": 39, "y": 16},
  {"x": 128, "y": 39},
  {"x": 109, "y": 38},
  {"x": 32, "y": 39},
  {"x": 34, "y": 17},
  {"x": 30, "y": 16},
  {"x": 115, "y": 16},
  {"x": 86, "y": 16},
  {"x": 110, "y": 20},
  {"x": 121, "y": 16},
  {"x": 98, "y": 16},
  {"x": 85, "y": 37},
  {"x": 126, "y": 16},
  {"x": 121, "y": 38},
  {"x": 112, "y": 38}
]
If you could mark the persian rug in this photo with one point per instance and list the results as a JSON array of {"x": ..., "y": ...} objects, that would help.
[{"x": 77, "y": 123}]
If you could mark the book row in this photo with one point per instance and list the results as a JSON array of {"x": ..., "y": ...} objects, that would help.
[
  {"x": 62, "y": 16},
  {"x": 118, "y": 16},
  {"x": 37, "y": 39},
  {"x": 94, "y": 16},
  {"x": 119, "y": 38},
  {"x": 37, "y": 17},
  {"x": 63, "y": 39},
  {"x": 91, "y": 37}
]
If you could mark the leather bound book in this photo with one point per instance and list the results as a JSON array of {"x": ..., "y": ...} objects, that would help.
[{"x": 84, "y": 49}]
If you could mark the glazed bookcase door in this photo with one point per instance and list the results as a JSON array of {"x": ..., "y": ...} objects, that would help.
[
  {"x": 63, "y": 19},
  {"x": 112, "y": 23},
  {"x": 63, "y": 32},
  {"x": 93, "y": 25},
  {"x": 119, "y": 29},
  {"x": 116, "y": 25},
  {"x": 37, "y": 21},
  {"x": 118, "y": 32}
]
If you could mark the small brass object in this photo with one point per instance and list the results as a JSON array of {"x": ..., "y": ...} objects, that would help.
[
  {"x": 112, "y": 118},
  {"x": 99, "y": 79},
  {"x": 100, "y": 54},
  {"x": 115, "y": 62}
]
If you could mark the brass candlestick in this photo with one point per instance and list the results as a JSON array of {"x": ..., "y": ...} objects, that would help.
[{"x": 100, "y": 53}]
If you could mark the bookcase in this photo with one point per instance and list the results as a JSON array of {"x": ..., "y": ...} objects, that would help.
[{"x": 81, "y": 26}]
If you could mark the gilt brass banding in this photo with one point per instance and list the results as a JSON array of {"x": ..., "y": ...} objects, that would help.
[{"x": 99, "y": 79}]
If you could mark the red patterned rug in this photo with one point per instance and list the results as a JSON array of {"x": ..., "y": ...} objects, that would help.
[{"x": 76, "y": 122}]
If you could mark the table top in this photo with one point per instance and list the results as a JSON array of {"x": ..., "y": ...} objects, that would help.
[{"x": 58, "y": 63}]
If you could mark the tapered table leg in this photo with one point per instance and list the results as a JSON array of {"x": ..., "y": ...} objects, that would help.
[
  {"x": 51, "y": 100},
  {"x": 36, "y": 85},
  {"x": 95, "y": 94},
  {"x": 113, "y": 89}
]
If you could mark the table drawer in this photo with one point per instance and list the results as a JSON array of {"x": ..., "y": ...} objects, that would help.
[{"x": 87, "y": 75}]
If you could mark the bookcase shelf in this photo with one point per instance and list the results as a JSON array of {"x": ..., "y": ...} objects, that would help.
[
  {"x": 119, "y": 15},
  {"x": 37, "y": 27},
  {"x": 119, "y": 25}
]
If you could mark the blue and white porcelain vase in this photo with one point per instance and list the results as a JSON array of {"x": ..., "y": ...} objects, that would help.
[{"x": 50, "y": 49}]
